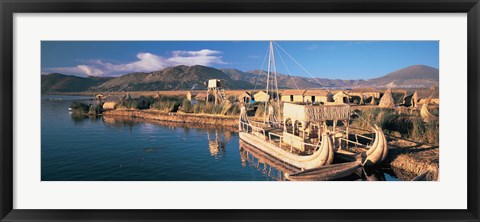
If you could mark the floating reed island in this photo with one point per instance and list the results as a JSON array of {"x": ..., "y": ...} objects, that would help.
[{"x": 197, "y": 119}]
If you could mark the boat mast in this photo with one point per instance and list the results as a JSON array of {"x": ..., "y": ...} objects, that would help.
[
  {"x": 268, "y": 81},
  {"x": 274, "y": 86},
  {"x": 275, "y": 80}
]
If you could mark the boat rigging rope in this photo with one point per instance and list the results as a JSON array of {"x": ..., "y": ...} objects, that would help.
[
  {"x": 300, "y": 65},
  {"x": 288, "y": 70},
  {"x": 261, "y": 69},
  {"x": 275, "y": 79},
  {"x": 306, "y": 71}
]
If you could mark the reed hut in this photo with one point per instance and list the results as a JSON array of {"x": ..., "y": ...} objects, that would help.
[
  {"x": 365, "y": 92},
  {"x": 293, "y": 95},
  {"x": 245, "y": 97},
  {"x": 410, "y": 99},
  {"x": 341, "y": 97},
  {"x": 261, "y": 96},
  {"x": 318, "y": 95},
  {"x": 387, "y": 100}
]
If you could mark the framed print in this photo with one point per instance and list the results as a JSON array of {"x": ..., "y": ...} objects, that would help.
[{"x": 266, "y": 110}]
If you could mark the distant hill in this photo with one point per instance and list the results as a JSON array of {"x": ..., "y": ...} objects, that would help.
[
  {"x": 195, "y": 77},
  {"x": 293, "y": 82},
  {"x": 171, "y": 78},
  {"x": 417, "y": 76},
  {"x": 259, "y": 78},
  {"x": 56, "y": 82}
]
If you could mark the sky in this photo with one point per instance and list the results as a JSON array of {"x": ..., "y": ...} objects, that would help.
[{"x": 320, "y": 59}]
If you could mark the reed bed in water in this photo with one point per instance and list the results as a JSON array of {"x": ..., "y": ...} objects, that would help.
[
  {"x": 413, "y": 163},
  {"x": 409, "y": 126}
]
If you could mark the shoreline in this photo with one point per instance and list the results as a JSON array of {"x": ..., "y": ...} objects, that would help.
[{"x": 200, "y": 119}]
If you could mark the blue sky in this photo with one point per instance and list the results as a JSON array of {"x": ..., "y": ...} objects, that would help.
[{"x": 324, "y": 59}]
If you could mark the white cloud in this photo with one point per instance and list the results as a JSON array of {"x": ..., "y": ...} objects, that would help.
[
  {"x": 146, "y": 62},
  {"x": 90, "y": 70},
  {"x": 203, "y": 57}
]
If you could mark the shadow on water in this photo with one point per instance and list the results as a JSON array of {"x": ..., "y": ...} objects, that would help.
[
  {"x": 216, "y": 143},
  {"x": 217, "y": 136},
  {"x": 78, "y": 117}
]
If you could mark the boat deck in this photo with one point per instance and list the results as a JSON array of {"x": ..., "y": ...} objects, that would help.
[{"x": 275, "y": 130}]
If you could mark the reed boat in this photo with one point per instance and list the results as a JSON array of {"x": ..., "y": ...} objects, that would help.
[
  {"x": 265, "y": 158},
  {"x": 330, "y": 172},
  {"x": 279, "y": 170},
  {"x": 425, "y": 114},
  {"x": 293, "y": 148},
  {"x": 322, "y": 155},
  {"x": 378, "y": 152},
  {"x": 421, "y": 177},
  {"x": 306, "y": 137}
]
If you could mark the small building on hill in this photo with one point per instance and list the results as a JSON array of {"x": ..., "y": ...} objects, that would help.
[
  {"x": 293, "y": 95},
  {"x": 318, "y": 96},
  {"x": 261, "y": 96}
]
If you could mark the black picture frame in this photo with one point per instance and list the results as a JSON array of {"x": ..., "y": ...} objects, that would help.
[{"x": 9, "y": 7}]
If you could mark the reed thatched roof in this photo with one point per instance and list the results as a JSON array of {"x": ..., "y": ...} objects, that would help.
[
  {"x": 364, "y": 90},
  {"x": 317, "y": 92},
  {"x": 246, "y": 94},
  {"x": 387, "y": 100},
  {"x": 342, "y": 94},
  {"x": 288, "y": 92}
]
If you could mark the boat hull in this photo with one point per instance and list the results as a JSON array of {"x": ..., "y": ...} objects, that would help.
[
  {"x": 378, "y": 152},
  {"x": 330, "y": 172},
  {"x": 323, "y": 156}
]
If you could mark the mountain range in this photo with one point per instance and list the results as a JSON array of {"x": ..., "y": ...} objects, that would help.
[
  {"x": 195, "y": 78},
  {"x": 56, "y": 82}
]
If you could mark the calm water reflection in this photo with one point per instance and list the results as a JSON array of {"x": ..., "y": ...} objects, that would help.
[{"x": 78, "y": 148}]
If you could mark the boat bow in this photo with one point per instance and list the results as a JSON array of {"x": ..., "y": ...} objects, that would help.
[{"x": 378, "y": 151}]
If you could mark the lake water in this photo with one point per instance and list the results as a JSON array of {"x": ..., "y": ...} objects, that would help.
[{"x": 104, "y": 149}]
